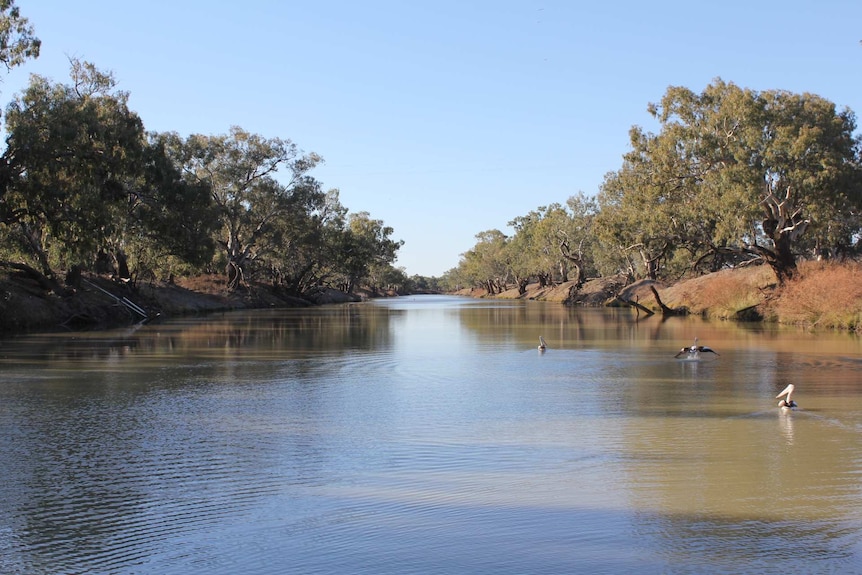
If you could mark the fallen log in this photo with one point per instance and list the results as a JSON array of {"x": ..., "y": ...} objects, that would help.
[
  {"x": 635, "y": 305},
  {"x": 664, "y": 309}
]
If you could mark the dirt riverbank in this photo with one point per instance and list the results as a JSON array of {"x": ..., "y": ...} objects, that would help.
[
  {"x": 823, "y": 295},
  {"x": 101, "y": 303}
]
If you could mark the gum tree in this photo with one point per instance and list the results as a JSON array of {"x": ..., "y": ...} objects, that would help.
[
  {"x": 713, "y": 183},
  {"x": 255, "y": 183},
  {"x": 72, "y": 151},
  {"x": 86, "y": 187}
]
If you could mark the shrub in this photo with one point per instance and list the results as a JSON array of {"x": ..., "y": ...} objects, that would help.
[{"x": 823, "y": 294}]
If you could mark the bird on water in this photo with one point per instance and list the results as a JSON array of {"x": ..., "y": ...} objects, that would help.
[
  {"x": 786, "y": 402},
  {"x": 694, "y": 351}
]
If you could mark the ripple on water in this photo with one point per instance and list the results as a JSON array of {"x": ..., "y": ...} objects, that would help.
[{"x": 413, "y": 445}]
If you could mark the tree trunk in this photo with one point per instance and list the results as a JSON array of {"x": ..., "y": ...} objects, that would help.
[
  {"x": 234, "y": 276},
  {"x": 574, "y": 260},
  {"x": 123, "y": 272},
  {"x": 73, "y": 277},
  {"x": 650, "y": 266},
  {"x": 34, "y": 238},
  {"x": 783, "y": 225}
]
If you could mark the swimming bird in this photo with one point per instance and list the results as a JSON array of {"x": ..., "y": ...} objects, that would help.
[
  {"x": 542, "y": 344},
  {"x": 695, "y": 350},
  {"x": 787, "y": 403}
]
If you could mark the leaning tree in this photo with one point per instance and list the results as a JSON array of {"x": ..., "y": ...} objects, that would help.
[{"x": 735, "y": 173}]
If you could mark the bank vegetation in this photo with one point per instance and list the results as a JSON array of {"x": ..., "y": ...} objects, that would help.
[
  {"x": 743, "y": 204},
  {"x": 734, "y": 184}
]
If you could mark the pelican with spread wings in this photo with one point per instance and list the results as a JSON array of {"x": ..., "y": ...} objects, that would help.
[{"x": 694, "y": 351}]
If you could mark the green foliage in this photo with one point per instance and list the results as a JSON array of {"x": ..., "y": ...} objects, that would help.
[
  {"x": 253, "y": 206},
  {"x": 176, "y": 217},
  {"x": 72, "y": 152},
  {"x": 366, "y": 252},
  {"x": 307, "y": 244},
  {"x": 553, "y": 241},
  {"x": 694, "y": 192},
  {"x": 733, "y": 176},
  {"x": 83, "y": 184},
  {"x": 17, "y": 42},
  {"x": 488, "y": 263}
]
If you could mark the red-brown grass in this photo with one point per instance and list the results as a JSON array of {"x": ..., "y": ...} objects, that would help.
[{"x": 823, "y": 295}]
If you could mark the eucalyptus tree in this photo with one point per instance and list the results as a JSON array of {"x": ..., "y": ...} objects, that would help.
[
  {"x": 709, "y": 183},
  {"x": 389, "y": 278},
  {"x": 535, "y": 245},
  {"x": 521, "y": 257},
  {"x": 85, "y": 186},
  {"x": 576, "y": 238},
  {"x": 72, "y": 151},
  {"x": 366, "y": 251},
  {"x": 634, "y": 221},
  {"x": 17, "y": 41},
  {"x": 308, "y": 244},
  {"x": 553, "y": 241},
  {"x": 813, "y": 197},
  {"x": 242, "y": 171},
  {"x": 551, "y": 229},
  {"x": 487, "y": 263},
  {"x": 174, "y": 219}
]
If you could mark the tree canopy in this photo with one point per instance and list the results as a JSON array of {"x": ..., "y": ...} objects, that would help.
[
  {"x": 17, "y": 40},
  {"x": 733, "y": 177},
  {"x": 85, "y": 186}
]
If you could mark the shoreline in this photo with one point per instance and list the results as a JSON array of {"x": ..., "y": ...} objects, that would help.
[{"x": 823, "y": 296}]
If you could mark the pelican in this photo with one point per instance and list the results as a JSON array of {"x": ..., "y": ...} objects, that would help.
[
  {"x": 542, "y": 345},
  {"x": 695, "y": 350},
  {"x": 787, "y": 404}
]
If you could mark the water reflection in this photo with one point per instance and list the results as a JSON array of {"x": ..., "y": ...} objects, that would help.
[{"x": 427, "y": 435}]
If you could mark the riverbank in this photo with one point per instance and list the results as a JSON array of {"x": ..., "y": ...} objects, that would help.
[
  {"x": 101, "y": 303},
  {"x": 821, "y": 296}
]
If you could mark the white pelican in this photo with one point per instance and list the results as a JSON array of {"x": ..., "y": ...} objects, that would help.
[
  {"x": 542, "y": 345},
  {"x": 787, "y": 403},
  {"x": 695, "y": 350}
]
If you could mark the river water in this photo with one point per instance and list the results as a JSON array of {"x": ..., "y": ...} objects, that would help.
[{"x": 428, "y": 434}]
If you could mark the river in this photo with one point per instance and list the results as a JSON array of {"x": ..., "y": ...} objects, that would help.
[{"x": 428, "y": 434}]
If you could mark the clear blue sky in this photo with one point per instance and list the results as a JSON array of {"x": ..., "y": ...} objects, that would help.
[{"x": 443, "y": 118}]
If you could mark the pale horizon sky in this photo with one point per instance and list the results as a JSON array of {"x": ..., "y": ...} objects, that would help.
[{"x": 446, "y": 118}]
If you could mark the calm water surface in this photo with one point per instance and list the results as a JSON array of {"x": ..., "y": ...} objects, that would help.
[{"x": 429, "y": 435}]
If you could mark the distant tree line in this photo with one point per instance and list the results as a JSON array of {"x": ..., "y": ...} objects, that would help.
[
  {"x": 734, "y": 177},
  {"x": 84, "y": 186}
]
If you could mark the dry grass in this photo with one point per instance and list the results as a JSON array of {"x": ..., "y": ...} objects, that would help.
[
  {"x": 822, "y": 295},
  {"x": 721, "y": 295},
  {"x": 729, "y": 294},
  {"x": 208, "y": 284}
]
